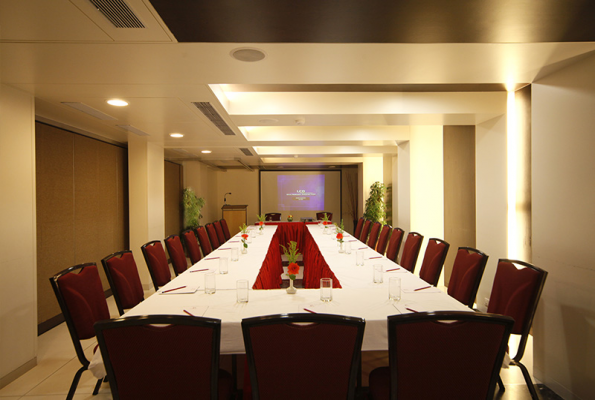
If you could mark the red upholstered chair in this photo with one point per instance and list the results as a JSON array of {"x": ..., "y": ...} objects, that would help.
[
  {"x": 383, "y": 239},
  {"x": 213, "y": 238},
  {"x": 411, "y": 251},
  {"x": 163, "y": 357},
  {"x": 219, "y": 231},
  {"x": 320, "y": 215},
  {"x": 321, "y": 363},
  {"x": 82, "y": 302},
  {"x": 157, "y": 263},
  {"x": 272, "y": 217},
  {"x": 122, "y": 275},
  {"x": 358, "y": 228},
  {"x": 516, "y": 292},
  {"x": 394, "y": 244},
  {"x": 454, "y": 355},
  {"x": 225, "y": 229},
  {"x": 191, "y": 244},
  {"x": 203, "y": 239},
  {"x": 176, "y": 253},
  {"x": 363, "y": 237},
  {"x": 433, "y": 261},
  {"x": 467, "y": 271},
  {"x": 374, "y": 232}
]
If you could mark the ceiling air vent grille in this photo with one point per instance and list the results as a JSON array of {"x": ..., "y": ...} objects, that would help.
[
  {"x": 207, "y": 109},
  {"x": 118, "y": 13},
  {"x": 246, "y": 152}
]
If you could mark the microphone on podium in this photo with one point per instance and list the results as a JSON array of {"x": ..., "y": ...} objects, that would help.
[{"x": 225, "y": 198}]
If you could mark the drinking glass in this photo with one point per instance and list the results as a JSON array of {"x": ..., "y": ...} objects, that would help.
[
  {"x": 223, "y": 265},
  {"x": 359, "y": 258},
  {"x": 394, "y": 289},
  {"x": 326, "y": 289},
  {"x": 242, "y": 290},
  {"x": 378, "y": 271},
  {"x": 347, "y": 247},
  {"x": 210, "y": 287},
  {"x": 235, "y": 254}
]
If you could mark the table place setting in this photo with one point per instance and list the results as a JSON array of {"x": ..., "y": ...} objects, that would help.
[
  {"x": 185, "y": 289},
  {"x": 422, "y": 289}
]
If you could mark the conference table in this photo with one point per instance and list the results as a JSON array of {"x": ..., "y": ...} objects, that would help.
[{"x": 357, "y": 296}]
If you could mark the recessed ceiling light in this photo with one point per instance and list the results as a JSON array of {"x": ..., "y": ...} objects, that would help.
[
  {"x": 206, "y": 151},
  {"x": 248, "y": 54},
  {"x": 176, "y": 135},
  {"x": 117, "y": 102},
  {"x": 268, "y": 120}
]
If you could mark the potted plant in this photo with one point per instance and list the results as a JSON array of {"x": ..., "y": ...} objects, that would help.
[
  {"x": 375, "y": 208},
  {"x": 192, "y": 206}
]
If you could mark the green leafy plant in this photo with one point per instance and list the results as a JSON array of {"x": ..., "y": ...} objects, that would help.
[
  {"x": 375, "y": 208},
  {"x": 192, "y": 207},
  {"x": 292, "y": 254}
]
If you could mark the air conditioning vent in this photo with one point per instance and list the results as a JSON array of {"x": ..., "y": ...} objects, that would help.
[
  {"x": 207, "y": 109},
  {"x": 246, "y": 152},
  {"x": 118, "y": 13}
]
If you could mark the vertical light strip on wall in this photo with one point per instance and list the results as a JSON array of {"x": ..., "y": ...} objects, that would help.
[{"x": 512, "y": 144}]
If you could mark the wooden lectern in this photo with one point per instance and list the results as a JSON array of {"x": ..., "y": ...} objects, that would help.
[{"x": 235, "y": 216}]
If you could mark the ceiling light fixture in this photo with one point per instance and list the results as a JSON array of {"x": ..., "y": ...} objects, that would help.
[
  {"x": 176, "y": 135},
  {"x": 117, "y": 102},
  {"x": 206, "y": 151},
  {"x": 247, "y": 54}
]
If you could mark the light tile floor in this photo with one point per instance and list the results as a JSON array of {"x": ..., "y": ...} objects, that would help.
[{"x": 57, "y": 364}]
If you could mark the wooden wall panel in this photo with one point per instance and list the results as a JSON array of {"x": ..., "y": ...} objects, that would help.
[
  {"x": 82, "y": 206},
  {"x": 173, "y": 198}
]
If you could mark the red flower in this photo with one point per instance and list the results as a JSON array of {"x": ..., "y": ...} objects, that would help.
[
  {"x": 260, "y": 222},
  {"x": 339, "y": 236},
  {"x": 244, "y": 236},
  {"x": 293, "y": 269},
  {"x": 324, "y": 222}
]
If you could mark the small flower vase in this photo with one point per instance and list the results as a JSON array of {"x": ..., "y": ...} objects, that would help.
[
  {"x": 326, "y": 230},
  {"x": 260, "y": 229},
  {"x": 291, "y": 289},
  {"x": 341, "y": 248},
  {"x": 244, "y": 250}
]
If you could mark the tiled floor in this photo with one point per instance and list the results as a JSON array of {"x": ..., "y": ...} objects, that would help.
[{"x": 57, "y": 364}]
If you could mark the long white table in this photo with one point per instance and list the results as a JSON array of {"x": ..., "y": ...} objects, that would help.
[{"x": 359, "y": 297}]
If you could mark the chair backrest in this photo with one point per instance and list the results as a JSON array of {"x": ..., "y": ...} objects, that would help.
[
  {"x": 219, "y": 231},
  {"x": 320, "y": 353},
  {"x": 433, "y": 261},
  {"x": 144, "y": 360},
  {"x": 358, "y": 228},
  {"x": 203, "y": 239},
  {"x": 176, "y": 253},
  {"x": 411, "y": 251},
  {"x": 467, "y": 271},
  {"x": 365, "y": 230},
  {"x": 82, "y": 302},
  {"x": 191, "y": 243},
  {"x": 320, "y": 215},
  {"x": 374, "y": 232},
  {"x": 157, "y": 263},
  {"x": 225, "y": 229},
  {"x": 272, "y": 217},
  {"x": 383, "y": 239},
  {"x": 516, "y": 291},
  {"x": 446, "y": 354},
  {"x": 122, "y": 275},
  {"x": 394, "y": 244},
  {"x": 213, "y": 238}
]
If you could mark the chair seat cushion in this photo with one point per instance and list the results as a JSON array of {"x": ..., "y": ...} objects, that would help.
[{"x": 379, "y": 383}]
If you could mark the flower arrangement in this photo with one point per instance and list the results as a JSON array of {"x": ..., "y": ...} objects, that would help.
[
  {"x": 340, "y": 230},
  {"x": 325, "y": 220},
  {"x": 291, "y": 252},
  {"x": 244, "y": 230},
  {"x": 289, "y": 218},
  {"x": 261, "y": 219}
]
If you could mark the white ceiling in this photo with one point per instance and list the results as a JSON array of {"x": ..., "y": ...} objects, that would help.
[{"x": 66, "y": 51}]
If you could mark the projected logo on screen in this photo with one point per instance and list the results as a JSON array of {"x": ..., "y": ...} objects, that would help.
[{"x": 300, "y": 192}]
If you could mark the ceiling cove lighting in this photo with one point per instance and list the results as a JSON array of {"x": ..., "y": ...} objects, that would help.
[
  {"x": 176, "y": 135},
  {"x": 117, "y": 103},
  {"x": 206, "y": 151}
]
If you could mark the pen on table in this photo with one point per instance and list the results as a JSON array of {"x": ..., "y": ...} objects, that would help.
[
  {"x": 198, "y": 270},
  {"x": 362, "y": 248},
  {"x": 371, "y": 258},
  {"x": 394, "y": 269},
  {"x": 422, "y": 288},
  {"x": 211, "y": 258},
  {"x": 169, "y": 290},
  {"x": 234, "y": 241},
  {"x": 224, "y": 248},
  {"x": 411, "y": 309},
  {"x": 189, "y": 313},
  {"x": 310, "y": 311}
]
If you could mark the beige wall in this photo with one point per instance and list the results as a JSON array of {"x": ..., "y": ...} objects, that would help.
[
  {"x": 404, "y": 187},
  {"x": 18, "y": 295},
  {"x": 243, "y": 185},
  {"x": 563, "y": 118},
  {"x": 173, "y": 198}
]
